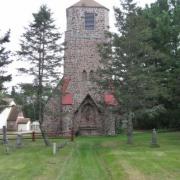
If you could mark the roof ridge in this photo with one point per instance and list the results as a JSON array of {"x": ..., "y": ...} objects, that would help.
[{"x": 88, "y": 3}]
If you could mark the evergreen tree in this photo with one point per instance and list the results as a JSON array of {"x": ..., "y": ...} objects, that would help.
[
  {"x": 4, "y": 60},
  {"x": 129, "y": 64},
  {"x": 40, "y": 47},
  {"x": 163, "y": 17}
]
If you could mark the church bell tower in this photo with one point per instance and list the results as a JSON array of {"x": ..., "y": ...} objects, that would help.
[{"x": 87, "y": 22}]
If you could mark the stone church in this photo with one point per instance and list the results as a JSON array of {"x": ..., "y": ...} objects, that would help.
[{"x": 77, "y": 102}]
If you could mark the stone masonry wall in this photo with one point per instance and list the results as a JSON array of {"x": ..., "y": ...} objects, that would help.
[{"x": 82, "y": 53}]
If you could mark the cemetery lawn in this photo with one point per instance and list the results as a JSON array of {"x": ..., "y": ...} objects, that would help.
[{"x": 95, "y": 158}]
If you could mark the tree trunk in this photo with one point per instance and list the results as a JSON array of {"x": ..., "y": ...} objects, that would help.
[
  {"x": 44, "y": 135},
  {"x": 130, "y": 128},
  {"x": 41, "y": 113},
  {"x": 41, "y": 120}
]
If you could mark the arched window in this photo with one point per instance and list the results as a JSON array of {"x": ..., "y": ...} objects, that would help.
[
  {"x": 91, "y": 75},
  {"x": 84, "y": 75}
]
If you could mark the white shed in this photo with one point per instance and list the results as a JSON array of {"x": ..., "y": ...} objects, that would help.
[{"x": 24, "y": 124}]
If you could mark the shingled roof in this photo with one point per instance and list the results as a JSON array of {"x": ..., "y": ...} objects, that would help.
[
  {"x": 13, "y": 113},
  {"x": 88, "y": 3}
]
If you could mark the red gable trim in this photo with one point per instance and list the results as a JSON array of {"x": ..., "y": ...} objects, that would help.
[
  {"x": 109, "y": 99},
  {"x": 67, "y": 99},
  {"x": 65, "y": 84}
]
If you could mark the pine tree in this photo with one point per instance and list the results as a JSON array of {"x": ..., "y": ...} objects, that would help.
[
  {"x": 129, "y": 63},
  {"x": 4, "y": 60},
  {"x": 163, "y": 17},
  {"x": 41, "y": 48}
]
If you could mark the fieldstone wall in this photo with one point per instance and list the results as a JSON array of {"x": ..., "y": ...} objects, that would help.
[
  {"x": 81, "y": 51},
  {"x": 109, "y": 119},
  {"x": 53, "y": 113}
]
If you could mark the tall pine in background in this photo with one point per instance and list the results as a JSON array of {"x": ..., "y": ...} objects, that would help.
[
  {"x": 128, "y": 62},
  {"x": 41, "y": 48},
  {"x": 164, "y": 21},
  {"x": 4, "y": 60}
]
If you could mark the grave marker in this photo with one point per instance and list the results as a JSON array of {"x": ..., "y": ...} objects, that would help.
[
  {"x": 19, "y": 140},
  {"x": 154, "y": 139},
  {"x": 5, "y": 141},
  {"x": 54, "y": 148}
]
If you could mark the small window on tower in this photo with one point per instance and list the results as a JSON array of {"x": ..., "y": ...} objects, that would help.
[
  {"x": 84, "y": 75},
  {"x": 89, "y": 21},
  {"x": 91, "y": 75}
]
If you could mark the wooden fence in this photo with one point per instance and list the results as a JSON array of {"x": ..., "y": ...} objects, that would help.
[{"x": 37, "y": 135}]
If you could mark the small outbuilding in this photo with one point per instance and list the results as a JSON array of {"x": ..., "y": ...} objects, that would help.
[
  {"x": 23, "y": 124},
  {"x": 8, "y": 115}
]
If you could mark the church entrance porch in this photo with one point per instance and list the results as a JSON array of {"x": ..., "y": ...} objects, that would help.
[{"x": 87, "y": 118}]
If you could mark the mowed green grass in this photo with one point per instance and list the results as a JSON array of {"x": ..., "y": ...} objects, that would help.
[{"x": 95, "y": 158}]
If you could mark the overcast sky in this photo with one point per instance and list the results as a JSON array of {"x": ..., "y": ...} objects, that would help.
[{"x": 17, "y": 14}]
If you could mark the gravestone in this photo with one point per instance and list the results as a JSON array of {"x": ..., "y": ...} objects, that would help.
[
  {"x": 33, "y": 136},
  {"x": 5, "y": 141},
  {"x": 154, "y": 139},
  {"x": 54, "y": 149},
  {"x": 19, "y": 140}
]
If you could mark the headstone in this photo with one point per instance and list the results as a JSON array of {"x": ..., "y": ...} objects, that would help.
[
  {"x": 19, "y": 140},
  {"x": 54, "y": 148},
  {"x": 5, "y": 141},
  {"x": 72, "y": 134},
  {"x": 33, "y": 136},
  {"x": 6, "y": 148},
  {"x": 154, "y": 139},
  {"x": 129, "y": 136}
]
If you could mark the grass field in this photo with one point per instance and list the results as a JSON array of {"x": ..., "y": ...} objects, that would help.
[{"x": 95, "y": 158}]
